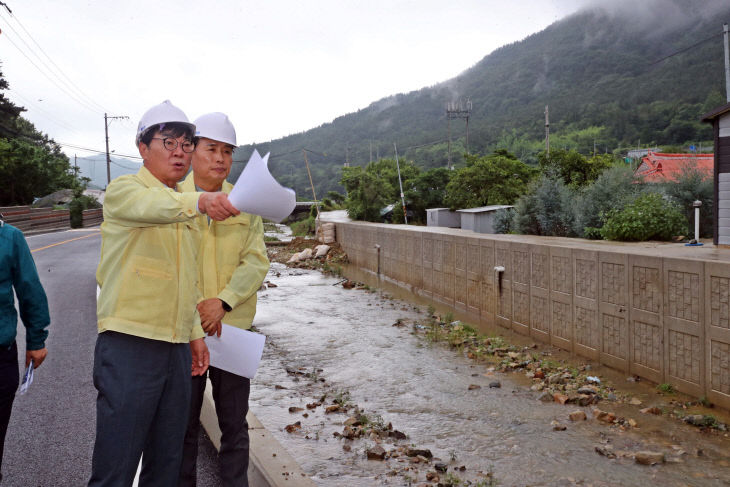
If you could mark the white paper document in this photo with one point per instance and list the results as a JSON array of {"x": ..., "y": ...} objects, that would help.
[
  {"x": 236, "y": 351},
  {"x": 257, "y": 192}
]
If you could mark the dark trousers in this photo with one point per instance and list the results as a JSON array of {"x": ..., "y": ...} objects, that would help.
[
  {"x": 141, "y": 409},
  {"x": 9, "y": 378},
  {"x": 230, "y": 393}
]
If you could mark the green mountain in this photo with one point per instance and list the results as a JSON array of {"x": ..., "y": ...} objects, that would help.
[{"x": 612, "y": 79}]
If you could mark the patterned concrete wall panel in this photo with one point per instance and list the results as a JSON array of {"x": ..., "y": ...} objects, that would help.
[
  {"x": 401, "y": 263},
  {"x": 613, "y": 305},
  {"x": 461, "y": 294},
  {"x": 438, "y": 275},
  {"x": 427, "y": 258},
  {"x": 503, "y": 284},
  {"x": 521, "y": 288},
  {"x": 389, "y": 253},
  {"x": 684, "y": 331},
  {"x": 718, "y": 333},
  {"x": 415, "y": 271},
  {"x": 473, "y": 276},
  {"x": 540, "y": 292},
  {"x": 646, "y": 317},
  {"x": 561, "y": 298},
  {"x": 486, "y": 280},
  {"x": 586, "y": 330},
  {"x": 447, "y": 270}
]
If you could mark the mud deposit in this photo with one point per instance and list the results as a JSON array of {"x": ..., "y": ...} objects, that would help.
[{"x": 364, "y": 357}]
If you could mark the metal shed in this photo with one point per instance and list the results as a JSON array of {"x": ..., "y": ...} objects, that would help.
[
  {"x": 720, "y": 120},
  {"x": 442, "y": 217},
  {"x": 480, "y": 220}
]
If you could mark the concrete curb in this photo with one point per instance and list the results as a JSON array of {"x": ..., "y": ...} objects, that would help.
[{"x": 269, "y": 463}]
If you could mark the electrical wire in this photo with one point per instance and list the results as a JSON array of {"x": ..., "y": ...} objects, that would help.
[
  {"x": 72, "y": 96},
  {"x": 47, "y": 115},
  {"x": 686, "y": 48},
  {"x": 69, "y": 83},
  {"x": 74, "y": 146}
]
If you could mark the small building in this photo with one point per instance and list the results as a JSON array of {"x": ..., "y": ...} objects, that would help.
[
  {"x": 442, "y": 217},
  {"x": 662, "y": 168},
  {"x": 480, "y": 220},
  {"x": 720, "y": 120}
]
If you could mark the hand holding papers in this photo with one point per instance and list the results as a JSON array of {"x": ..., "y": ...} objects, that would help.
[
  {"x": 236, "y": 351},
  {"x": 257, "y": 192},
  {"x": 27, "y": 379}
]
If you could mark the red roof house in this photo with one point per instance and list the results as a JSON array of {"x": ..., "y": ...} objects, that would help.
[{"x": 656, "y": 167}]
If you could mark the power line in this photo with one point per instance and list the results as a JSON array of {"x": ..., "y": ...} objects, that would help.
[
  {"x": 79, "y": 90},
  {"x": 72, "y": 96},
  {"x": 686, "y": 48},
  {"x": 48, "y": 115},
  {"x": 73, "y": 146}
]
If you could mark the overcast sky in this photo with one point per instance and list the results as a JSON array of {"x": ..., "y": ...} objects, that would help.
[{"x": 276, "y": 67}]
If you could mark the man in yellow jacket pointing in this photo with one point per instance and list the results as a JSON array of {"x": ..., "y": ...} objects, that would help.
[
  {"x": 147, "y": 321},
  {"x": 232, "y": 265}
]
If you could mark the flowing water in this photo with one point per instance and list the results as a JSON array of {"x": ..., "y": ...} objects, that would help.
[{"x": 332, "y": 339}]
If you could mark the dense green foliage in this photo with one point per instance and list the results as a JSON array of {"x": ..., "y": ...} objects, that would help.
[
  {"x": 572, "y": 167},
  {"x": 649, "y": 217},
  {"x": 77, "y": 206},
  {"x": 31, "y": 164},
  {"x": 376, "y": 186},
  {"x": 498, "y": 179},
  {"x": 692, "y": 185},
  {"x": 596, "y": 70}
]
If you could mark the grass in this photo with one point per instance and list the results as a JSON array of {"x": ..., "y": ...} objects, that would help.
[
  {"x": 268, "y": 238},
  {"x": 342, "y": 398},
  {"x": 665, "y": 388}
]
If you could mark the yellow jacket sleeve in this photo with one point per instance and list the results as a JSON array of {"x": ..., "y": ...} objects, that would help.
[
  {"x": 250, "y": 273},
  {"x": 133, "y": 205}
]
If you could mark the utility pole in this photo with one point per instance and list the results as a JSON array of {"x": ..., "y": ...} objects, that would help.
[
  {"x": 107, "y": 119},
  {"x": 547, "y": 132},
  {"x": 727, "y": 61},
  {"x": 306, "y": 162},
  {"x": 400, "y": 183},
  {"x": 458, "y": 110}
]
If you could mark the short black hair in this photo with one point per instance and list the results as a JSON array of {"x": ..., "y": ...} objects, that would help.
[
  {"x": 196, "y": 139},
  {"x": 172, "y": 129}
]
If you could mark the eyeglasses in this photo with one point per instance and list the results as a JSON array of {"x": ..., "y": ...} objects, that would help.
[{"x": 171, "y": 144}]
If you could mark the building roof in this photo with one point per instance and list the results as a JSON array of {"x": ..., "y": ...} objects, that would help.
[
  {"x": 660, "y": 168},
  {"x": 484, "y": 209},
  {"x": 710, "y": 116}
]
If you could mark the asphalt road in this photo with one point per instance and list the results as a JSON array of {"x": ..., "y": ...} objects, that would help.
[{"x": 51, "y": 433}]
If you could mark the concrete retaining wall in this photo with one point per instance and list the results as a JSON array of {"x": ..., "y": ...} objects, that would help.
[
  {"x": 34, "y": 220},
  {"x": 661, "y": 312}
]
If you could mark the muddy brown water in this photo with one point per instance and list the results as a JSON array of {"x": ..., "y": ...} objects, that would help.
[{"x": 344, "y": 340}]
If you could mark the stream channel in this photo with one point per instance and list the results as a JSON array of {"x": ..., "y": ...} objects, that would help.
[{"x": 325, "y": 339}]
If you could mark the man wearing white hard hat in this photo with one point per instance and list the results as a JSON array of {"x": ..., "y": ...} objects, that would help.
[
  {"x": 232, "y": 265},
  {"x": 149, "y": 329}
]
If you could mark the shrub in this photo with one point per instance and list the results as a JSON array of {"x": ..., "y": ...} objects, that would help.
[
  {"x": 76, "y": 208},
  {"x": 613, "y": 189},
  {"x": 649, "y": 217},
  {"x": 503, "y": 220},
  {"x": 693, "y": 184},
  {"x": 546, "y": 208}
]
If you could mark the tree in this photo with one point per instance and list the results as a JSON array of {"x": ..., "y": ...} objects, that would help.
[
  {"x": 428, "y": 190},
  {"x": 575, "y": 169},
  {"x": 498, "y": 179},
  {"x": 376, "y": 186}
]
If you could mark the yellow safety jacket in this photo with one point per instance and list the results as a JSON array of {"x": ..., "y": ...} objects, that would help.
[
  {"x": 232, "y": 260},
  {"x": 147, "y": 270}
]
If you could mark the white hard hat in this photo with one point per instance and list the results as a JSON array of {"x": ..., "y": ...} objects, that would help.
[
  {"x": 215, "y": 126},
  {"x": 165, "y": 112}
]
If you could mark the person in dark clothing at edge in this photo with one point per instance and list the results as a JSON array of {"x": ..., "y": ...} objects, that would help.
[{"x": 18, "y": 271}]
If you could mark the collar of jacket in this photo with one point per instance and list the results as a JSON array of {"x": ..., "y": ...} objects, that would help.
[
  {"x": 149, "y": 179},
  {"x": 188, "y": 185}
]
